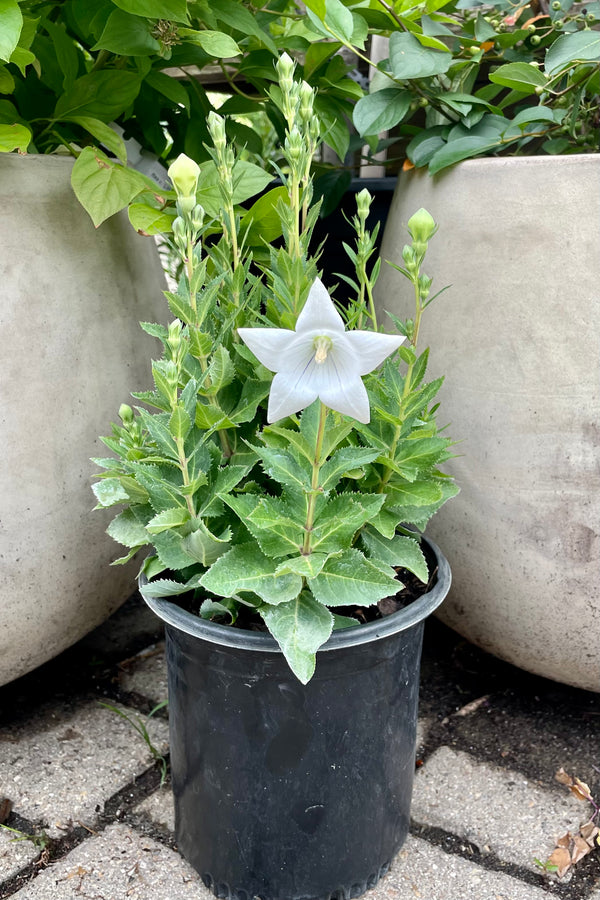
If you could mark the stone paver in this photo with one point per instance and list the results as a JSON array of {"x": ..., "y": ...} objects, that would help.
[
  {"x": 61, "y": 766},
  {"x": 14, "y": 855},
  {"x": 146, "y": 674},
  {"x": 159, "y": 808},
  {"x": 496, "y": 809},
  {"x": 119, "y": 864},
  {"x": 423, "y": 871}
]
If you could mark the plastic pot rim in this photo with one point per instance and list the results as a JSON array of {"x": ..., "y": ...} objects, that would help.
[{"x": 227, "y": 636}]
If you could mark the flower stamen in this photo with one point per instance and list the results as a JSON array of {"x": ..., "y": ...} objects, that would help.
[{"x": 322, "y": 345}]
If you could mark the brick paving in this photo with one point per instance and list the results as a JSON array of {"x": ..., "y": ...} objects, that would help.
[{"x": 86, "y": 787}]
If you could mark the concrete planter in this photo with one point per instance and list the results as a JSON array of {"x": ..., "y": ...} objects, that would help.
[
  {"x": 517, "y": 338},
  {"x": 72, "y": 350}
]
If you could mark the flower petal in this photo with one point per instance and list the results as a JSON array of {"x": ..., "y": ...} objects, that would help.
[
  {"x": 369, "y": 348},
  {"x": 271, "y": 346},
  {"x": 289, "y": 394},
  {"x": 350, "y": 398},
  {"x": 319, "y": 313}
]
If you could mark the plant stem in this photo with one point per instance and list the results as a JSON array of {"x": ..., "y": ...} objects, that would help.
[
  {"x": 183, "y": 465},
  {"x": 312, "y": 497}
]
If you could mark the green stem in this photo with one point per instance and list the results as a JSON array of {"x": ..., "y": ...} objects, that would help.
[
  {"x": 312, "y": 497},
  {"x": 183, "y": 465}
]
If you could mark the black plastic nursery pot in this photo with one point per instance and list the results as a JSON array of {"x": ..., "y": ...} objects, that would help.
[{"x": 286, "y": 791}]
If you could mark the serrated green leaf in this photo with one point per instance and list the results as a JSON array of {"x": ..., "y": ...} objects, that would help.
[
  {"x": 157, "y": 426},
  {"x": 166, "y": 587},
  {"x": 340, "y": 519},
  {"x": 308, "y": 566},
  {"x": 300, "y": 627},
  {"x": 167, "y": 519},
  {"x": 180, "y": 423},
  {"x": 268, "y": 520},
  {"x": 102, "y": 186},
  {"x": 350, "y": 579},
  {"x": 221, "y": 370},
  {"x": 109, "y": 492},
  {"x": 342, "y": 462},
  {"x": 416, "y": 493},
  {"x": 285, "y": 468},
  {"x": 246, "y": 568},
  {"x": 205, "y": 546},
  {"x": 399, "y": 552},
  {"x": 416, "y": 454},
  {"x": 127, "y": 530}
]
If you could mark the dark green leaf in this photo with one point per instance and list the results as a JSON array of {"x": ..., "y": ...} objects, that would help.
[
  {"x": 519, "y": 76},
  {"x": 155, "y": 9},
  {"x": 381, "y": 110},
  {"x": 410, "y": 59},
  {"x": 571, "y": 48},
  {"x": 127, "y": 35}
]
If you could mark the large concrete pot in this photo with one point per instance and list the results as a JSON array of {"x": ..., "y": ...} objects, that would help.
[
  {"x": 517, "y": 338},
  {"x": 72, "y": 350}
]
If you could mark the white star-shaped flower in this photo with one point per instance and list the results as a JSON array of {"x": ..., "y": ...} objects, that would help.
[{"x": 320, "y": 359}]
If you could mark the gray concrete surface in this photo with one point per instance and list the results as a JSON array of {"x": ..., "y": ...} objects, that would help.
[{"x": 485, "y": 801}]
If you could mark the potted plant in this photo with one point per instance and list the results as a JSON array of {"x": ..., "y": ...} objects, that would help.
[
  {"x": 518, "y": 88},
  {"x": 279, "y": 509},
  {"x": 98, "y": 96}
]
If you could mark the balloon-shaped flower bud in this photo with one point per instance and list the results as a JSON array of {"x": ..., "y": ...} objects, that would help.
[
  {"x": 320, "y": 359},
  {"x": 125, "y": 414},
  {"x": 422, "y": 226},
  {"x": 285, "y": 72},
  {"x": 363, "y": 203},
  {"x": 184, "y": 174}
]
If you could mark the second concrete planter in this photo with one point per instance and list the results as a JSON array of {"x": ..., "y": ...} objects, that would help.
[
  {"x": 72, "y": 350},
  {"x": 517, "y": 338}
]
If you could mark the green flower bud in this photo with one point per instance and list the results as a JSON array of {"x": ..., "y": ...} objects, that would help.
[
  {"x": 410, "y": 260},
  {"x": 424, "y": 286},
  {"x": 363, "y": 203},
  {"x": 197, "y": 217},
  {"x": 421, "y": 226},
  {"x": 125, "y": 414},
  {"x": 174, "y": 338},
  {"x": 184, "y": 174},
  {"x": 285, "y": 72},
  {"x": 186, "y": 204},
  {"x": 216, "y": 129}
]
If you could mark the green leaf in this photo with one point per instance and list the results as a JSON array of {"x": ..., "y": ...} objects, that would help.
[
  {"x": 262, "y": 222},
  {"x": 485, "y": 136},
  {"x": 338, "y": 522},
  {"x": 14, "y": 137},
  {"x": 155, "y": 9},
  {"x": 221, "y": 371},
  {"x": 519, "y": 76},
  {"x": 350, "y": 579},
  {"x": 413, "y": 455},
  {"x": 103, "y": 94},
  {"x": 127, "y": 35},
  {"x": 416, "y": 493},
  {"x": 102, "y": 186},
  {"x": 167, "y": 519},
  {"x": 381, "y": 110},
  {"x": 165, "y": 587},
  {"x": 169, "y": 87},
  {"x": 109, "y": 491},
  {"x": 284, "y": 468},
  {"x": 22, "y": 58},
  {"x": 205, "y": 546},
  {"x": 246, "y": 568},
  {"x": 180, "y": 423},
  {"x": 237, "y": 16},
  {"x": 571, "y": 48},
  {"x": 410, "y": 59},
  {"x": 344, "y": 461},
  {"x": 399, "y": 552},
  {"x": 103, "y": 133},
  {"x": 300, "y": 627},
  {"x": 127, "y": 530},
  {"x": 11, "y": 22},
  {"x": 67, "y": 54},
  {"x": 148, "y": 220},
  {"x": 268, "y": 520},
  {"x": 214, "y": 43},
  {"x": 308, "y": 566},
  {"x": 7, "y": 82}
]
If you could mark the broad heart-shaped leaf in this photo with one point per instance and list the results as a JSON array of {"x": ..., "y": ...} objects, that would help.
[
  {"x": 102, "y": 94},
  {"x": 350, "y": 579},
  {"x": 381, "y": 110},
  {"x": 103, "y": 187},
  {"x": 103, "y": 133},
  {"x": 11, "y": 22},
  {"x": 214, "y": 43},
  {"x": 343, "y": 461},
  {"x": 14, "y": 137},
  {"x": 300, "y": 627},
  {"x": 155, "y": 9},
  {"x": 581, "y": 46},
  {"x": 246, "y": 568},
  {"x": 127, "y": 35},
  {"x": 410, "y": 59},
  {"x": 399, "y": 552},
  {"x": 149, "y": 220},
  {"x": 519, "y": 76},
  {"x": 127, "y": 530}
]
